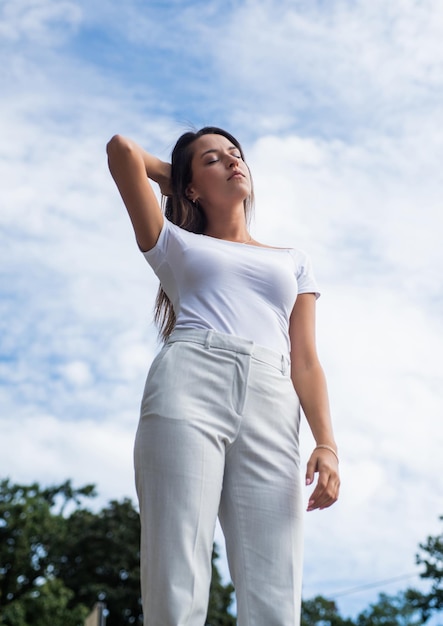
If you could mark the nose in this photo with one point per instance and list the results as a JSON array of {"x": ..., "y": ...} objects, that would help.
[{"x": 233, "y": 160}]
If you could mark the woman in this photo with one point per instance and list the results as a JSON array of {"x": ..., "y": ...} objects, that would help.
[{"x": 218, "y": 433}]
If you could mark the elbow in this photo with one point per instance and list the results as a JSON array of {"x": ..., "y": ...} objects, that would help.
[
  {"x": 113, "y": 143},
  {"x": 305, "y": 359},
  {"x": 121, "y": 152},
  {"x": 118, "y": 145},
  {"x": 301, "y": 369}
]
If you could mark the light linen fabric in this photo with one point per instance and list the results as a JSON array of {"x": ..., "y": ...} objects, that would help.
[{"x": 218, "y": 433}]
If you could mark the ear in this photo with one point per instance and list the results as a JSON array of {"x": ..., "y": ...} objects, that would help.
[{"x": 190, "y": 193}]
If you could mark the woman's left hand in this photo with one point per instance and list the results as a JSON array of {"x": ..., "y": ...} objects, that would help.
[{"x": 326, "y": 491}]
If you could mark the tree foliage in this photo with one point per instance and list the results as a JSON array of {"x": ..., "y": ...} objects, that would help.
[
  {"x": 48, "y": 603},
  {"x": 431, "y": 556},
  {"x": 322, "y": 612},
  {"x": 31, "y": 520},
  {"x": 220, "y": 599},
  {"x": 97, "y": 556},
  {"x": 57, "y": 558},
  {"x": 395, "y": 610}
]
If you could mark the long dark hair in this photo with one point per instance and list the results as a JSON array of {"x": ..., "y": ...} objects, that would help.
[{"x": 180, "y": 210}]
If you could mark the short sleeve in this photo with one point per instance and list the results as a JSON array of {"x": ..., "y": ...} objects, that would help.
[
  {"x": 306, "y": 281},
  {"x": 156, "y": 255}
]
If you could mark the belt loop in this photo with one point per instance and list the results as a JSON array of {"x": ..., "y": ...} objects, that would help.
[
  {"x": 208, "y": 339},
  {"x": 284, "y": 365}
]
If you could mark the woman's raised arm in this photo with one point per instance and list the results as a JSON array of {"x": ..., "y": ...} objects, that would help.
[{"x": 131, "y": 168}]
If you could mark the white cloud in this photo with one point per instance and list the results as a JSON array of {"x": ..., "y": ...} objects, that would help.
[
  {"x": 77, "y": 373},
  {"x": 45, "y": 448},
  {"x": 40, "y": 21},
  {"x": 364, "y": 201},
  {"x": 372, "y": 208},
  {"x": 337, "y": 67}
]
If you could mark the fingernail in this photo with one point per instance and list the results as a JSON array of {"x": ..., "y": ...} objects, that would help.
[{"x": 309, "y": 481}]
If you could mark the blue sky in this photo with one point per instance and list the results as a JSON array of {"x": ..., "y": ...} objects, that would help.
[{"x": 338, "y": 107}]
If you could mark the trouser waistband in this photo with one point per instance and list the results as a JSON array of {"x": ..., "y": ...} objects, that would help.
[{"x": 213, "y": 339}]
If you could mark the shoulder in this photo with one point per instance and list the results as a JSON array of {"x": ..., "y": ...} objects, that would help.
[
  {"x": 301, "y": 259},
  {"x": 304, "y": 272},
  {"x": 300, "y": 256},
  {"x": 170, "y": 232}
]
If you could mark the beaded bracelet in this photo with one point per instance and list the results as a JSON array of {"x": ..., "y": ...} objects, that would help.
[{"x": 322, "y": 445}]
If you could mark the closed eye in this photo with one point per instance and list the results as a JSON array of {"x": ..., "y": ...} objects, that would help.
[{"x": 215, "y": 160}]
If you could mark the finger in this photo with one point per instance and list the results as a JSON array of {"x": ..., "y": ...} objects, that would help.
[
  {"x": 322, "y": 502},
  {"x": 316, "y": 497},
  {"x": 310, "y": 471},
  {"x": 329, "y": 496},
  {"x": 309, "y": 475},
  {"x": 325, "y": 493}
]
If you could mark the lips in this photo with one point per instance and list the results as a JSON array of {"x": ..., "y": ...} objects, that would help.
[{"x": 236, "y": 174}]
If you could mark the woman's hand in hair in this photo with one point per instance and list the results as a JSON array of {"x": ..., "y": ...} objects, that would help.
[{"x": 164, "y": 179}]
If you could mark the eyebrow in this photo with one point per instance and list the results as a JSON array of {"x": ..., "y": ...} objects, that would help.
[{"x": 215, "y": 150}]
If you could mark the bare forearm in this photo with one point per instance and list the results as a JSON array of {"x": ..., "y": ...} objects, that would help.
[
  {"x": 157, "y": 170},
  {"x": 122, "y": 148},
  {"x": 311, "y": 388},
  {"x": 310, "y": 384}
]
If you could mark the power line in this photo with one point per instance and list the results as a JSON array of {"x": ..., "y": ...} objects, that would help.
[{"x": 378, "y": 583}]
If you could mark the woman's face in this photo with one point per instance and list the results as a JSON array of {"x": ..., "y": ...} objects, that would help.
[{"x": 219, "y": 174}]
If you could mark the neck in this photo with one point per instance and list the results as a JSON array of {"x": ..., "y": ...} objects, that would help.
[
  {"x": 231, "y": 227},
  {"x": 240, "y": 234}
]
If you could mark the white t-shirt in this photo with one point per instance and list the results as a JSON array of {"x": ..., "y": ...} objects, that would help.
[{"x": 233, "y": 288}]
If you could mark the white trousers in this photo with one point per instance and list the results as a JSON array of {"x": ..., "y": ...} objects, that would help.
[{"x": 218, "y": 435}]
